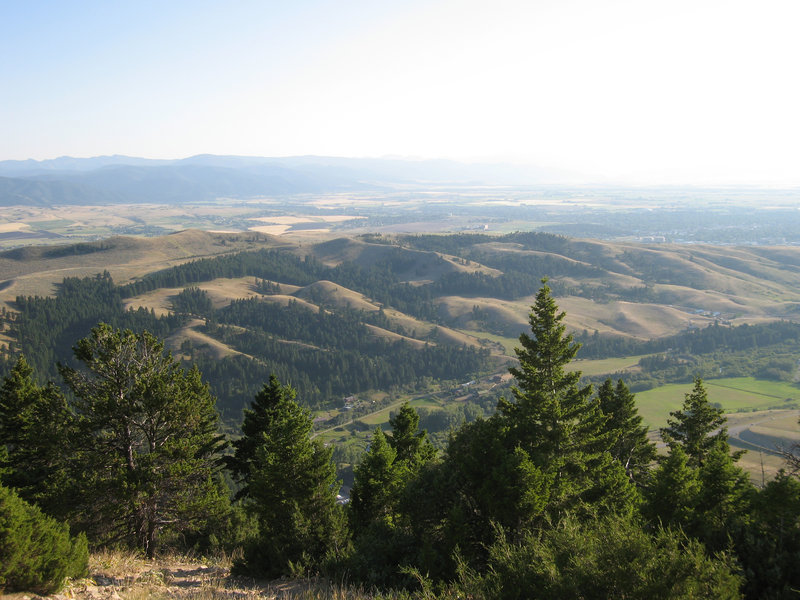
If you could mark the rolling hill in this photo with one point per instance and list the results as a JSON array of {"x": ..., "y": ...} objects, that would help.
[{"x": 363, "y": 315}]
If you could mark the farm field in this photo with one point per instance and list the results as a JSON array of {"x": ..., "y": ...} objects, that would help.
[
  {"x": 733, "y": 394},
  {"x": 606, "y": 366},
  {"x": 762, "y": 417}
]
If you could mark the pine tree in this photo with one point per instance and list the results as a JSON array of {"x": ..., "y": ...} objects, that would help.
[
  {"x": 725, "y": 498},
  {"x": 631, "y": 447},
  {"x": 36, "y": 552},
  {"x": 258, "y": 418},
  {"x": 146, "y": 448},
  {"x": 698, "y": 485},
  {"x": 558, "y": 423},
  {"x": 376, "y": 482},
  {"x": 35, "y": 427},
  {"x": 673, "y": 496},
  {"x": 289, "y": 484},
  {"x": 698, "y": 426},
  {"x": 411, "y": 445}
]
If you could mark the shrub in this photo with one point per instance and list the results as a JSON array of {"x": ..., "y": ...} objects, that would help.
[
  {"x": 612, "y": 558},
  {"x": 36, "y": 552}
]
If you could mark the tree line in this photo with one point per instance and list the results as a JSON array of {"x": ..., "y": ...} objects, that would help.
[{"x": 559, "y": 493}]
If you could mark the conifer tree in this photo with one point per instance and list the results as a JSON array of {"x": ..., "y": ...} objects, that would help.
[
  {"x": 631, "y": 447},
  {"x": 258, "y": 419},
  {"x": 35, "y": 427},
  {"x": 411, "y": 445},
  {"x": 698, "y": 485},
  {"x": 376, "y": 483},
  {"x": 672, "y": 498},
  {"x": 557, "y": 422},
  {"x": 37, "y": 552},
  {"x": 698, "y": 426},
  {"x": 146, "y": 455},
  {"x": 289, "y": 485}
]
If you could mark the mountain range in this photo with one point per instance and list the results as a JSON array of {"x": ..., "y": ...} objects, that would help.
[{"x": 123, "y": 179}]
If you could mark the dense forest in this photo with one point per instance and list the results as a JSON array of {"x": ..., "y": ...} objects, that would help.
[{"x": 558, "y": 494}]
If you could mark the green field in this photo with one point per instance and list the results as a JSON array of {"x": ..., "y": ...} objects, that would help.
[
  {"x": 605, "y": 366},
  {"x": 734, "y": 394}
]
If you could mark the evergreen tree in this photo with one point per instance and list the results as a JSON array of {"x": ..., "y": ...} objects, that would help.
[
  {"x": 36, "y": 552},
  {"x": 411, "y": 445},
  {"x": 631, "y": 447},
  {"x": 698, "y": 485},
  {"x": 289, "y": 484},
  {"x": 376, "y": 484},
  {"x": 35, "y": 427},
  {"x": 258, "y": 419},
  {"x": 147, "y": 447},
  {"x": 611, "y": 557},
  {"x": 557, "y": 423},
  {"x": 672, "y": 497},
  {"x": 724, "y": 501},
  {"x": 698, "y": 426},
  {"x": 770, "y": 550},
  {"x": 384, "y": 484}
]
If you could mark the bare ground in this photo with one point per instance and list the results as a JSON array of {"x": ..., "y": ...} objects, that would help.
[{"x": 115, "y": 576}]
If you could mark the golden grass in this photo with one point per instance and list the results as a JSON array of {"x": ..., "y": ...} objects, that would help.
[
  {"x": 505, "y": 313},
  {"x": 205, "y": 344},
  {"x": 445, "y": 335},
  {"x": 391, "y": 336},
  {"x": 125, "y": 258},
  {"x": 337, "y": 295},
  {"x": 13, "y": 227}
]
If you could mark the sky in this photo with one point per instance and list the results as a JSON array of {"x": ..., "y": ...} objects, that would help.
[{"x": 629, "y": 91}]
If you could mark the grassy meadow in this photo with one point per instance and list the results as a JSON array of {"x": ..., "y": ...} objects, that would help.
[{"x": 733, "y": 394}]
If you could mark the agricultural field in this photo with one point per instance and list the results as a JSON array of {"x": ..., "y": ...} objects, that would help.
[{"x": 741, "y": 394}]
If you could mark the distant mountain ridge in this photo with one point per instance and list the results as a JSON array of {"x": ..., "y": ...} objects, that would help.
[{"x": 118, "y": 179}]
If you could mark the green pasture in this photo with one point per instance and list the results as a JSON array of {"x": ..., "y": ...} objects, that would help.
[
  {"x": 423, "y": 403},
  {"x": 733, "y": 394},
  {"x": 605, "y": 365}
]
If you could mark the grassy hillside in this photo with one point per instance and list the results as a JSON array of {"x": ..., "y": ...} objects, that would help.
[{"x": 389, "y": 296}]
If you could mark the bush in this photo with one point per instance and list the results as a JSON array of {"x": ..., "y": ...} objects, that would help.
[
  {"x": 612, "y": 558},
  {"x": 36, "y": 552}
]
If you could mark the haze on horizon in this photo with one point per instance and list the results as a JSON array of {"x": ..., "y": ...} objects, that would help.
[{"x": 627, "y": 91}]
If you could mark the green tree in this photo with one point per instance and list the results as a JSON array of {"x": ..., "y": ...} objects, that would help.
[
  {"x": 35, "y": 427},
  {"x": 698, "y": 426},
  {"x": 725, "y": 498},
  {"x": 698, "y": 485},
  {"x": 36, "y": 552},
  {"x": 147, "y": 447},
  {"x": 608, "y": 558},
  {"x": 631, "y": 447},
  {"x": 411, "y": 445},
  {"x": 771, "y": 549},
  {"x": 557, "y": 422},
  {"x": 673, "y": 495},
  {"x": 376, "y": 484},
  {"x": 259, "y": 418},
  {"x": 290, "y": 486}
]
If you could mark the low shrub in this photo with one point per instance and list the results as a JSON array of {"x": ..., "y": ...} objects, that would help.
[{"x": 37, "y": 552}]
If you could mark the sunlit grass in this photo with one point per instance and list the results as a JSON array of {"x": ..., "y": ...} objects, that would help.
[{"x": 733, "y": 394}]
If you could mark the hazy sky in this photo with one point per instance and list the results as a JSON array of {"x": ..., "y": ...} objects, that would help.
[{"x": 629, "y": 90}]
